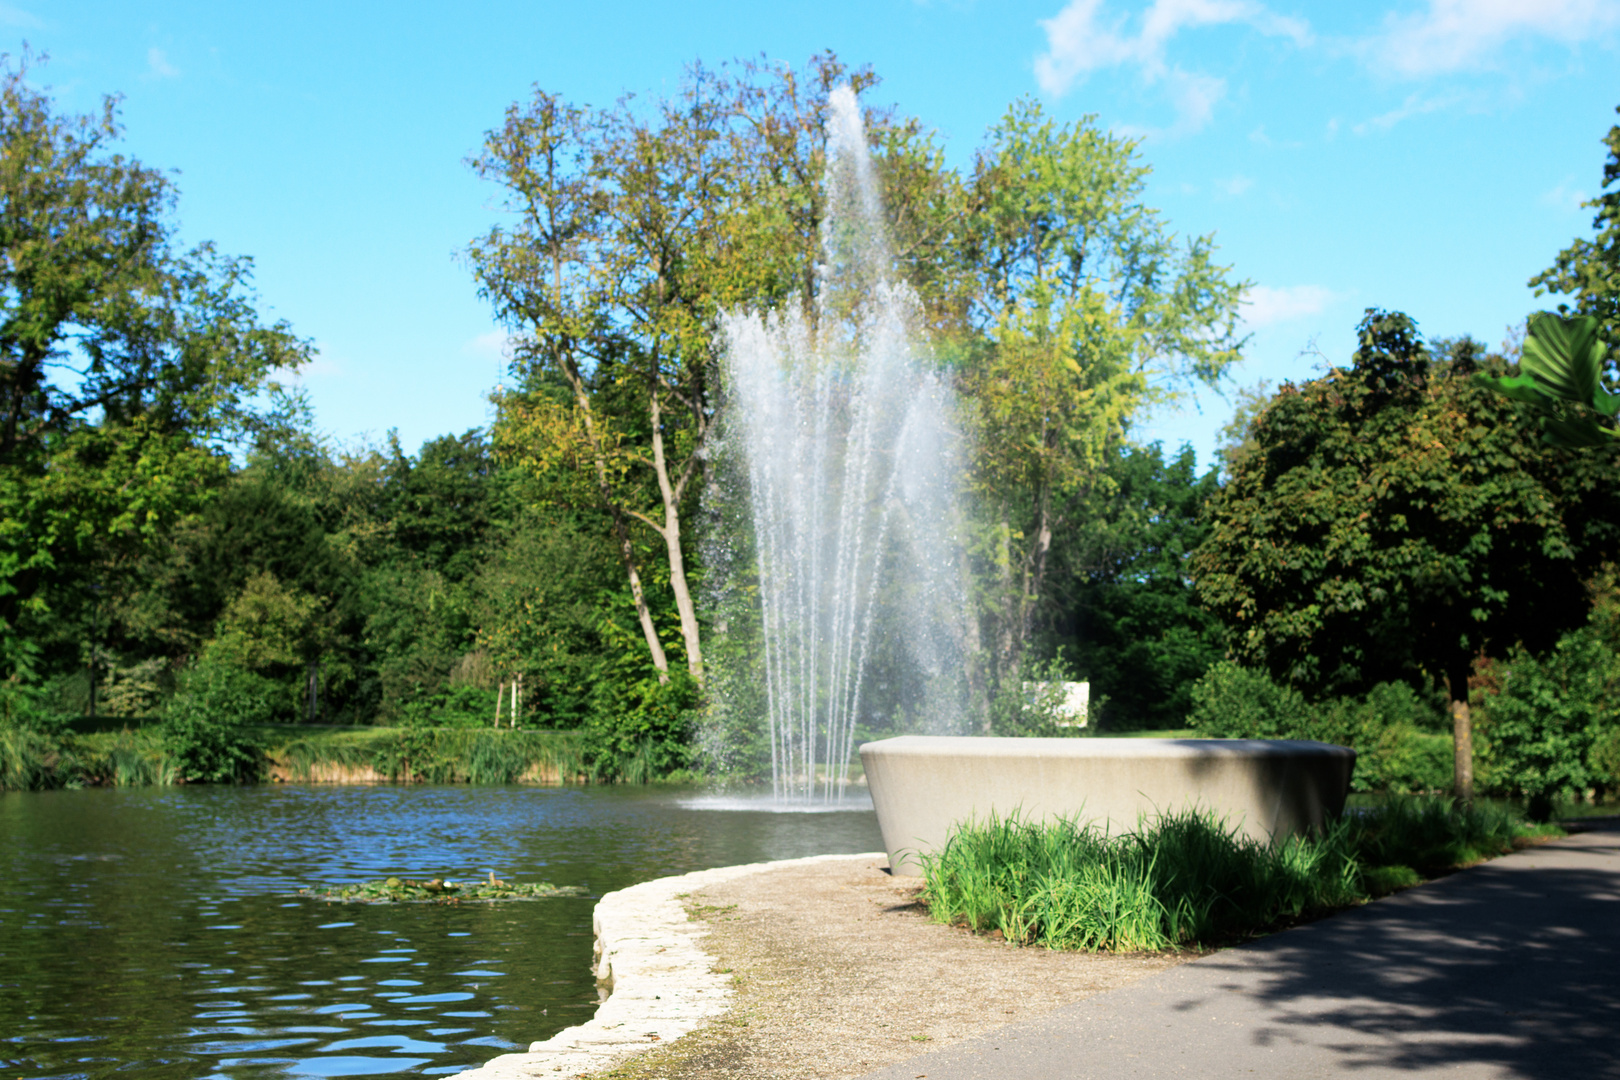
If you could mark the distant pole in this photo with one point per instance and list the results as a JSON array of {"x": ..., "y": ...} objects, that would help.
[{"x": 500, "y": 688}]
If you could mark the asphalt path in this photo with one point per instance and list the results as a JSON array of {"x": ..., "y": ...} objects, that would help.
[{"x": 1509, "y": 969}]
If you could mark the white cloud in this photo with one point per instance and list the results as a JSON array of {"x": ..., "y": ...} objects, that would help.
[
  {"x": 1083, "y": 38},
  {"x": 1236, "y": 185},
  {"x": 1266, "y": 305},
  {"x": 1414, "y": 105},
  {"x": 158, "y": 66},
  {"x": 1564, "y": 197},
  {"x": 15, "y": 16},
  {"x": 1456, "y": 35},
  {"x": 490, "y": 346}
]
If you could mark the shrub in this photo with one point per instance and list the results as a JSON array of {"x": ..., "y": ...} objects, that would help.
[
  {"x": 1236, "y": 702},
  {"x": 1538, "y": 727},
  {"x": 1393, "y": 729},
  {"x": 1034, "y": 706},
  {"x": 641, "y": 731},
  {"x": 206, "y": 727},
  {"x": 456, "y": 706}
]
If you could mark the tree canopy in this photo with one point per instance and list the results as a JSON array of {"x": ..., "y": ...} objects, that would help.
[
  {"x": 1588, "y": 271},
  {"x": 1394, "y": 518},
  {"x": 126, "y": 365}
]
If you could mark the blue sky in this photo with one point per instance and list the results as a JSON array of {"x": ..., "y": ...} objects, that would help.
[{"x": 1423, "y": 155}]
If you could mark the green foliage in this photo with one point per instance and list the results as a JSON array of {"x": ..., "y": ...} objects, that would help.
[
  {"x": 1561, "y": 378},
  {"x": 170, "y": 357},
  {"x": 1035, "y": 708},
  {"x": 455, "y": 706},
  {"x": 1548, "y": 724},
  {"x": 443, "y": 756},
  {"x": 1188, "y": 880},
  {"x": 643, "y": 730},
  {"x": 1394, "y": 730},
  {"x": 1179, "y": 880},
  {"x": 1083, "y": 310},
  {"x": 1232, "y": 701},
  {"x": 1122, "y": 601},
  {"x": 207, "y": 726},
  {"x": 34, "y": 760},
  {"x": 1432, "y": 836},
  {"x": 1395, "y": 519},
  {"x": 1589, "y": 270}
]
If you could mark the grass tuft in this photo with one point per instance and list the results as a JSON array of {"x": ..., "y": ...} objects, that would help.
[{"x": 1189, "y": 880}]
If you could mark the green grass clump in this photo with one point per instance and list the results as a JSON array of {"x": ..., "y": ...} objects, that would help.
[{"x": 1188, "y": 880}]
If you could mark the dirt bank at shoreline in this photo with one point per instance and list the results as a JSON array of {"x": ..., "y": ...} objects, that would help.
[{"x": 838, "y": 971}]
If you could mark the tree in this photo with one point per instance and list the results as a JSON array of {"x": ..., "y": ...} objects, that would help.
[
  {"x": 1589, "y": 270},
  {"x": 598, "y": 279},
  {"x": 1394, "y": 520},
  {"x": 634, "y": 227},
  {"x": 1084, "y": 309},
  {"x": 1122, "y": 605},
  {"x": 125, "y": 365}
]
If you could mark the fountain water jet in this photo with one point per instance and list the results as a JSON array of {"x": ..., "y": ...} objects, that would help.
[{"x": 854, "y": 473}]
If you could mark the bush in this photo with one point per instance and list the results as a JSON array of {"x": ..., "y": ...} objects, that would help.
[
  {"x": 457, "y": 706},
  {"x": 1235, "y": 702},
  {"x": 206, "y": 727},
  {"x": 1394, "y": 730},
  {"x": 1034, "y": 705},
  {"x": 1541, "y": 717},
  {"x": 641, "y": 731}
]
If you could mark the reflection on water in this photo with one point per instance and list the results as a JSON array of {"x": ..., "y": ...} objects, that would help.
[
  {"x": 157, "y": 932},
  {"x": 763, "y": 802}
]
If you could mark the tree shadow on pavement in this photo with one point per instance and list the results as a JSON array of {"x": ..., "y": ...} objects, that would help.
[{"x": 1513, "y": 964}]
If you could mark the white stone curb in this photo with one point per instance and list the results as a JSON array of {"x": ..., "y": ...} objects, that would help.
[{"x": 662, "y": 985}]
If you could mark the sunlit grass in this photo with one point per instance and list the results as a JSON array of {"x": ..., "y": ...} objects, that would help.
[{"x": 1187, "y": 880}]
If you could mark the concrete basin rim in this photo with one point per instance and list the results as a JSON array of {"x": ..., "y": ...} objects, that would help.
[{"x": 991, "y": 746}]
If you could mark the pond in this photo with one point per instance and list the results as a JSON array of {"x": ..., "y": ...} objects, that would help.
[{"x": 158, "y": 932}]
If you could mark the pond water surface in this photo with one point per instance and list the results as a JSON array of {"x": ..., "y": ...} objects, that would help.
[{"x": 159, "y": 932}]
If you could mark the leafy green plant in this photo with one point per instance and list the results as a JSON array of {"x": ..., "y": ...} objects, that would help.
[
  {"x": 1543, "y": 716},
  {"x": 642, "y": 732},
  {"x": 207, "y": 725},
  {"x": 1233, "y": 701},
  {"x": 1037, "y": 704},
  {"x": 1561, "y": 378},
  {"x": 1394, "y": 730}
]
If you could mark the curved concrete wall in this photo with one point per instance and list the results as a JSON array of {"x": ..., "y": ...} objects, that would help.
[{"x": 923, "y": 786}]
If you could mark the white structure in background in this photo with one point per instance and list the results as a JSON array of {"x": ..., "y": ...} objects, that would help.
[{"x": 1073, "y": 700}]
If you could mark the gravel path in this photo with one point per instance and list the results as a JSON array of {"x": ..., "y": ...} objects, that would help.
[{"x": 837, "y": 971}]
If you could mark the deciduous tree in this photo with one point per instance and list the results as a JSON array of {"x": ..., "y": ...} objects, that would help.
[{"x": 1393, "y": 519}]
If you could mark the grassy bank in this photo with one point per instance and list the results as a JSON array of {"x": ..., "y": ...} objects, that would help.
[
  {"x": 1187, "y": 881},
  {"x": 33, "y": 760}
]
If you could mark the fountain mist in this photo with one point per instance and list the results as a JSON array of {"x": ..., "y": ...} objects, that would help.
[{"x": 853, "y": 471}]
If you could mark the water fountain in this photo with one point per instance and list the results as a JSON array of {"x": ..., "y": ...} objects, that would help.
[{"x": 853, "y": 477}]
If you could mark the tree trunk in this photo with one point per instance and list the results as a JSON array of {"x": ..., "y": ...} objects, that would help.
[
  {"x": 671, "y": 533},
  {"x": 1462, "y": 729},
  {"x": 621, "y": 532},
  {"x": 627, "y": 553}
]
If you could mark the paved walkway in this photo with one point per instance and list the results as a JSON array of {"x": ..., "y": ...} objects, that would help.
[{"x": 1510, "y": 969}]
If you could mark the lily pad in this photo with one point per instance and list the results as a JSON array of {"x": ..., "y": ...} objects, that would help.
[{"x": 439, "y": 891}]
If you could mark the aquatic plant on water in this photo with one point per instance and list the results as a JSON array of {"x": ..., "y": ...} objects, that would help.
[{"x": 395, "y": 890}]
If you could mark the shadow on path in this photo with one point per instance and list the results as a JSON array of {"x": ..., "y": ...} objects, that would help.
[{"x": 1510, "y": 969}]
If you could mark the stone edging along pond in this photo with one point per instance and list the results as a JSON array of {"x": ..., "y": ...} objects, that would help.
[{"x": 660, "y": 983}]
